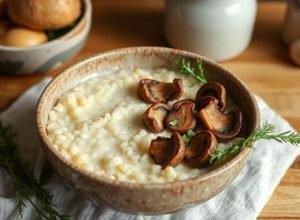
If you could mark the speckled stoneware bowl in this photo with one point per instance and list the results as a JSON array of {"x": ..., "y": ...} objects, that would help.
[
  {"x": 155, "y": 198},
  {"x": 44, "y": 57}
]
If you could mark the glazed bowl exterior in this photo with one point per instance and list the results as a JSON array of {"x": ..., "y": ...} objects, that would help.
[
  {"x": 155, "y": 198},
  {"x": 47, "y": 56}
]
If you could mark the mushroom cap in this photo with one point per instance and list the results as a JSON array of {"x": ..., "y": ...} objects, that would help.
[
  {"x": 153, "y": 91},
  {"x": 154, "y": 117},
  {"x": 234, "y": 121},
  {"x": 224, "y": 126},
  {"x": 167, "y": 151},
  {"x": 215, "y": 90},
  {"x": 177, "y": 104},
  {"x": 204, "y": 101},
  {"x": 199, "y": 149},
  {"x": 184, "y": 116}
]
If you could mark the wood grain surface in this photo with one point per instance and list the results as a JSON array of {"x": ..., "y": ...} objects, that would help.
[{"x": 264, "y": 66}]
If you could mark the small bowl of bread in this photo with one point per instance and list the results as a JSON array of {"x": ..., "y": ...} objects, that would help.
[{"x": 40, "y": 35}]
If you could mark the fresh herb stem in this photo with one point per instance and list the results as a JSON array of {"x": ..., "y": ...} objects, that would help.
[
  {"x": 197, "y": 72},
  {"x": 187, "y": 136},
  {"x": 26, "y": 186},
  {"x": 266, "y": 132}
]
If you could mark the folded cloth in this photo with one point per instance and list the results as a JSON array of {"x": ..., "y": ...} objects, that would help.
[{"x": 243, "y": 199}]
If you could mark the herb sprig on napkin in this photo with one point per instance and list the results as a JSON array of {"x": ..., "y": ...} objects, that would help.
[{"x": 27, "y": 187}]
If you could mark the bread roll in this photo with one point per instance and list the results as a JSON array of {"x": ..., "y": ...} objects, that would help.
[{"x": 44, "y": 14}]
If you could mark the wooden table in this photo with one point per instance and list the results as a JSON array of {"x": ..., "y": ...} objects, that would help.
[{"x": 264, "y": 66}]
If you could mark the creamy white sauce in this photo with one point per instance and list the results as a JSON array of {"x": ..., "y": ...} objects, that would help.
[{"x": 98, "y": 126}]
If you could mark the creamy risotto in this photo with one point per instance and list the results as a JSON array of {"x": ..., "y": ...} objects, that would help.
[{"x": 98, "y": 126}]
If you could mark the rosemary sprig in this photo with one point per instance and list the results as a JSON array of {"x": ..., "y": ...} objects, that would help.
[
  {"x": 197, "y": 72},
  {"x": 266, "y": 132},
  {"x": 26, "y": 186}
]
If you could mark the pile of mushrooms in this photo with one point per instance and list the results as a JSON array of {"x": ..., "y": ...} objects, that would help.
[{"x": 205, "y": 117}]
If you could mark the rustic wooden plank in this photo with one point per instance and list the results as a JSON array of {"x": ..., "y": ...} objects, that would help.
[{"x": 285, "y": 202}]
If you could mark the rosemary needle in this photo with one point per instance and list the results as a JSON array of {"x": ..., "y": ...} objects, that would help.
[
  {"x": 266, "y": 132},
  {"x": 26, "y": 186},
  {"x": 197, "y": 72}
]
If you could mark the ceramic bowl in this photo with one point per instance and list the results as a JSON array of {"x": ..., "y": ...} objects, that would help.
[
  {"x": 155, "y": 198},
  {"x": 44, "y": 57}
]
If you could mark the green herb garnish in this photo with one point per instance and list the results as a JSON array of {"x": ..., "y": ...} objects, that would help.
[
  {"x": 266, "y": 132},
  {"x": 188, "y": 135},
  {"x": 174, "y": 122},
  {"x": 26, "y": 186},
  {"x": 197, "y": 72}
]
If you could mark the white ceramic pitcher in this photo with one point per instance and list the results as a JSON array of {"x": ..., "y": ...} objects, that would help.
[{"x": 218, "y": 29}]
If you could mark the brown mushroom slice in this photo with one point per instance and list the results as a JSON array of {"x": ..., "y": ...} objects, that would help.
[
  {"x": 203, "y": 102},
  {"x": 183, "y": 118},
  {"x": 167, "y": 151},
  {"x": 153, "y": 91},
  {"x": 154, "y": 117},
  {"x": 177, "y": 104},
  {"x": 213, "y": 89},
  {"x": 200, "y": 147},
  {"x": 224, "y": 126}
]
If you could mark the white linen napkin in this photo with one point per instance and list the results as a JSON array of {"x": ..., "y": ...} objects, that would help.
[{"x": 243, "y": 199}]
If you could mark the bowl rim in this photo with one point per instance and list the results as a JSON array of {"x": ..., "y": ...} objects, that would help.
[
  {"x": 86, "y": 13},
  {"x": 130, "y": 185}
]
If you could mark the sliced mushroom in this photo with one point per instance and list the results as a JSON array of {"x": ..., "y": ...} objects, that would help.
[
  {"x": 167, "y": 151},
  {"x": 213, "y": 89},
  {"x": 154, "y": 116},
  {"x": 224, "y": 126},
  {"x": 182, "y": 118},
  {"x": 153, "y": 91},
  {"x": 199, "y": 149},
  {"x": 204, "y": 101},
  {"x": 177, "y": 104}
]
